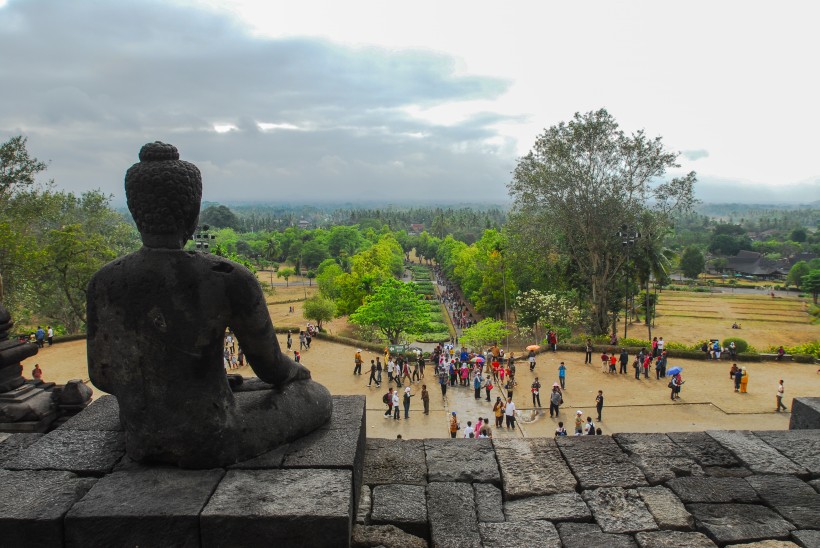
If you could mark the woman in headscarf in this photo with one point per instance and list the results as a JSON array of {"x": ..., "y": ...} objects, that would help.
[{"x": 744, "y": 381}]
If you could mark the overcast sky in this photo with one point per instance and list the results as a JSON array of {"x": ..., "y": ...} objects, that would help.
[{"x": 389, "y": 100}]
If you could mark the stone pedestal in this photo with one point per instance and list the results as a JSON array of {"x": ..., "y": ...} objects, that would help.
[{"x": 805, "y": 414}]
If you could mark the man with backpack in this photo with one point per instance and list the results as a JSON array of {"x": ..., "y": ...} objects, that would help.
[{"x": 387, "y": 399}]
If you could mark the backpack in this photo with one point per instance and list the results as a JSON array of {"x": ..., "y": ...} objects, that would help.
[
  {"x": 591, "y": 431},
  {"x": 385, "y": 398}
]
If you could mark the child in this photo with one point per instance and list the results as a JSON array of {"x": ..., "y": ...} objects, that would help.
[
  {"x": 604, "y": 362},
  {"x": 612, "y": 362},
  {"x": 560, "y": 431}
]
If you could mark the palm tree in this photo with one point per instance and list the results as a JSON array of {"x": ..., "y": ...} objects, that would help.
[{"x": 652, "y": 261}]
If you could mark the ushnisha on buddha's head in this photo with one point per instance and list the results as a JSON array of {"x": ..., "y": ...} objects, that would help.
[{"x": 163, "y": 195}]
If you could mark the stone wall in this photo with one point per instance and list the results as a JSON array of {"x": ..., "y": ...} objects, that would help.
[{"x": 805, "y": 414}]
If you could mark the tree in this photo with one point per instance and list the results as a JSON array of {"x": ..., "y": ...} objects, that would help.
[
  {"x": 811, "y": 283},
  {"x": 219, "y": 217},
  {"x": 536, "y": 309},
  {"x": 796, "y": 273},
  {"x": 798, "y": 235},
  {"x": 483, "y": 333},
  {"x": 692, "y": 262},
  {"x": 285, "y": 273},
  {"x": 394, "y": 308},
  {"x": 319, "y": 309},
  {"x": 581, "y": 178},
  {"x": 17, "y": 168}
]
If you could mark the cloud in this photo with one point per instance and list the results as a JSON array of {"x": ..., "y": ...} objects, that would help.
[
  {"x": 695, "y": 154},
  {"x": 90, "y": 82}
]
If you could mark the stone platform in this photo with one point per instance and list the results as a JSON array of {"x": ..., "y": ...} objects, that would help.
[{"x": 74, "y": 487}]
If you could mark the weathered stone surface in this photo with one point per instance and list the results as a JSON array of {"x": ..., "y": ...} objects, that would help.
[
  {"x": 589, "y": 535},
  {"x": 33, "y": 503},
  {"x": 673, "y": 539},
  {"x": 648, "y": 444},
  {"x": 144, "y": 506},
  {"x": 364, "y": 509},
  {"x": 525, "y": 534},
  {"x": 801, "y": 446},
  {"x": 387, "y": 536},
  {"x": 84, "y": 452},
  {"x": 815, "y": 484},
  {"x": 265, "y": 461},
  {"x": 597, "y": 461},
  {"x": 765, "y": 544},
  {"x": 295, "y": 507},
  {"x": 453, "y": 520},
  {"x": 618, "y": 510},
  {"x": 12, "y": 444},
  {"x": 404, "y": 506},
  {"x": 805, "y": 414},
  {"x": 461, "y": 460},
  {"x": 667, "y": 509},
  {"x": 713, "y": 490},
  {"x": 792, "y": 498},
  {"x": 735, "y": 523},
  {"x": 755, "y": 454},
  {"x": 721, "y": 472},
  {"x": 554, "y": 508},
  {"x": 394, "y": 461},
  {"x": 659, "y": 469},
  {"x": 704, "y": 449},
  {"x": 323, "y": 449},
  {"x": 102, "y": 414},
  {"x": 532, "y": 467},
  {"x": 348, "y": 413},
  {"x": 807, "y": 538},
  {"x": 489, "y": 505}
]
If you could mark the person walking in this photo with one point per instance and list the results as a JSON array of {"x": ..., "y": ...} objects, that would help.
[
  {"x": 498, "y": 411},
  {"x": 744, "y": 381},
  {"x": 373, "y": 375},
  {"x": 588, "y": 352},
  {"x": 396, "y": 410},
  {"x": 599, "y": 403},
  {"x": 406, "y": 402},
  {"x": 556, "y": 399},
  {"x": 624, "y": 360},
  {"x": 509, "y": 413},
  {"x": 477, "y": 380},
  {"x": 738, "y": 379},
  {"x": 562, "y": 376},
  {"x": 637, "y": 367},
  {"x": 454, "y": 425},
  {"x": 425, "y": 399},
  {"x": 50, "y": 335},
  {"x": 290, "y": 340},
  {"x": 579, "y": 422},
  {"x": 488, "y": 387},
  {"x": 531, "y": 359},
  {"x": 357, "y": 361},
  {"x": 378, "y": 371},
  {"x": 536, "y": 393},
  {"x": 781, "y": 392},
  {"x": 442, "y": 381},
  {"x": 387, "y": 399}
]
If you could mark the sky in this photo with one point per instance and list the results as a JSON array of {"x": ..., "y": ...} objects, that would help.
[{"x": 363, "y": 101}]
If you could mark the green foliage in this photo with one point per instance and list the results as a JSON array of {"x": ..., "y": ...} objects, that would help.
[
  {"x": 740, "y": 344},
  {"x": 17, "y": 168},
  {"x": 218, "y": 216},
  {"x": 285, "y": 273},
  {"x": 319, "y": 309},
  {"x": 484, "y": 333},
  {"x": 393, "y": 308},
  {"x": 810, "y": 348},
  {"x": 634, "y": 343},
  {"x": 811, "y": 283},
  {"x": 692, "y": 262},
  {"x": 796, "y": 273}
]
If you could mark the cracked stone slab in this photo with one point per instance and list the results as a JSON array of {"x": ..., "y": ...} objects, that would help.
[
  {"x": 461, "y": 460},
  {"x": 387, "y": 536},
  {"x": 554, "y": 508},
  {"x": 806, "y": 538},
  {"x": 736, "y": 523},
  {"x": 667, "y": 509},
  {"x": 142, "y": 506},
  {"x": 704, "y": 449},
  {"x": 589, "y": 535},
  {"x": 766, "y": 544},
  {"x": 265, "y": 461},
  {"x": 721, "y": 472},
  {"x": 101, "y": 414},
  {"x": 673, "y": 539},
  {"x": 297, "y": 507},
  {"x": 757, "y": 455},
  {"x": 713, "y": 490},
  {"x": 348, "y": 412},
  {"x": 33, "y": 504},
  {"x": 12, "y": 444},
  {"x": 801, "y": 446},
  {"x": 524, "y": 534},
  {"x": 597, "y": 461},
  {"x": 404, "y": 506},
  {"x": 792, "y": 498},
  {"x": 84, "y": 452},
  {"x": 365, "y": 504},
  {"x": 489, "y": 505},
  {"x": 389, "y": 462},
  {"x": 815, "y": 484},
  {"x": 452, "y": 516},
  {"x": 532, "y": 467},
  {"x": 618, "y": 510},
  {"x": 659, "y": 469},
  {"x": 650, "y": 444}
]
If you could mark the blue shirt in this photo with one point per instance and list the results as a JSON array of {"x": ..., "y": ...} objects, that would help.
[{"x": 562, "y": 371}]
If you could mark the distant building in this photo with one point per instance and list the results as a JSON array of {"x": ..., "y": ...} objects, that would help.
[
  {"x": 303, "y": 224},
  {"x": 416, "y": 229},
  {"x": 754, "y": 264}
]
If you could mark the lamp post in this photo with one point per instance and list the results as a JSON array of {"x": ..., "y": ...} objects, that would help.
[{"x": 628, "y": 236}]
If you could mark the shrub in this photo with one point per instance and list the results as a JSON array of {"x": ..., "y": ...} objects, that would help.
[
  {"x": 740, "y": 344},
  {"x": 637, "y": 343},
  {"x": 434, "y": 337}
]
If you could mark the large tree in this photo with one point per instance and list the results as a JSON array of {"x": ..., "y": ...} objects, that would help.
[
  {"x": 319, "y": 309},
  {"x": 585, "y": 178},
  {"x": 692, "y": 262},
  {"x": 394, "y": 308}
]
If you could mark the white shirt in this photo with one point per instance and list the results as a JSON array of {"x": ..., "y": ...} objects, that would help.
[
  {"x": 660, "y": 344},
  {"x": 780, "y": 390},
  {"x": 467, "y": 431},
  {"x": 395, "y": 399},
  {"x": 510, "y": 409}
]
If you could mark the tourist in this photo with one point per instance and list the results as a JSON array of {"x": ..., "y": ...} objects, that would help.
[
  {"x": 373, "y": 375},
  {"x": 556, "y": 399},
  {"x": 661, "y": 345},
  {"x": 781, "y": 352},
  {"x": 416, "y": 373},
  {"x": 297, "y": 357},
  {"x": 469, "y": 431},
  {"x": 50, "y": 335},
  {"x": 612, "y": 363},
  {"x": 290, "y": 340},
  {"x": 536, "y": 393},
  {"x": 732, "y": 350},
  {"x": 562, "y": 375},
  {"x": 604, "y": 362},
  {"x": 624, "y": 360},
  {"x": 302, "y": 341},
  {"x": 390, "y": 367},
  {"x": 357, "y": 361},
  {"x": 579, "y": 422},
  {"x": 589, "y": 427},
  {"x": 477, "y": 381},
  {"x": 487, "y": 429},
  {"x": 654, "y": 346},
  {"x": 37, "y": 373},
  {"x": 498, "y": 411},
  {"x": 442, "y": 381},
  {"x": 552, "y": 340},
  {"x": 454, "y": 427},
  {"x": 488, "y": 387},
  {"x": 425, "y": 399},
  {"x": 732, "y": 371},
  {"x": 531, "y": 359},
  {"x": 738, "y": 377},
  {"x": 39, "y": 336},
  {"x": 378, "y": 371},
  {"x": 509, "y": 413},
  {"x": 599, "y": 403},
  {"x": 396, "y": 410},
  {"x": 387, "y": 399},
  {"x": 406, "y": 402},
  {"x": 646, "y": 363},
  {"x": 675, "y": 384},
  {"x": 560, "y": 431},
  {"x": 588, "y": 352},
  {"x": 744, "y": 382},
  {"x": 637, "y": 367},
  {"x": 405, "y": 371},
  {"x": 781, "y": 392}
]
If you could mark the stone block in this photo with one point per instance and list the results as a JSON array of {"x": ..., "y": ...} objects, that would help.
[
  {"x": 102, "y": 414},
  {"x": 489, "y": 505},
  {"x": 364, "y": 508},
  {"x": 792, "y": 498},
  {"x": 532, "y": 467},
  {"x": 33, "y": 504},
  {"x": 295, "y": 507},
  {"x": 736, "y": 523},
  {"x": 618, "y": 510},
  {"x": 348, "y": 413},
  {"x": 667, "y": 509},
  {"x": 84, "y": 452},
  {"x": 404, "y": 506},
  {"x": 388, "y": 536},
  {"x": 648, "y": 444},
  {"x": 801, "y": 446},
  {"x": 721, "y": 472},
  {"x": 597, "y": 461},
  {"x": 589, "y": 535},
  {"x": 713, "y": 490},
  {"x": 805, "y": 414},
  {"x": 394, "y": 461},
  {"x": 755, "y": 454},
  {"x": 658, "y": 469},
  {"x": 328, "y": 449},
  {"x": 524, "y": 534},
  {"x": 12, "y": 444},
  {"x": 452, "y": 515},
  {"x": 265, "y": 461},
  {"x": 143, "y": 506},
  {"x": 815, "y": 484},
  {"x": 673, "y": 539},
  {"x": 806, "y": 538},
  {"x": 461, "y": 460},
  {"x": 704, "y": 449},
  {"x": 554, "y": 508}
]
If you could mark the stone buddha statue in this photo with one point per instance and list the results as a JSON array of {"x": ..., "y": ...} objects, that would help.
[{"x": 156, "y": 326}]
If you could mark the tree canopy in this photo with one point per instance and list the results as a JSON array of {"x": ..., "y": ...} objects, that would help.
[{"x": 394, "y": 308}]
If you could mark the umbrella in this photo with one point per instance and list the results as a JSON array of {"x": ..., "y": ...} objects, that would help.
[
  {"x": 674, "y": 370},
  {"x": 477, "y": 359},
  {"x": 533, "y": 347}
]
